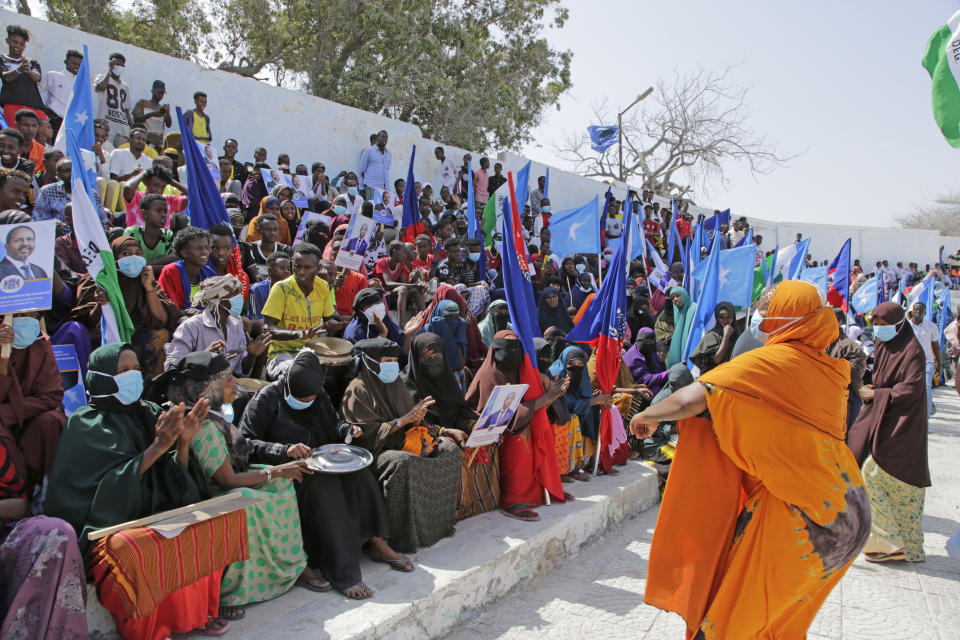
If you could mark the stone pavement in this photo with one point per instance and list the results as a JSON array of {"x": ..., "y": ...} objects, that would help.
[{"x": 598, "y": 594}]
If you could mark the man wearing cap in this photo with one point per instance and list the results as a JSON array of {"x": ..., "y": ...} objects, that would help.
[{"x": 153, "y": 116}]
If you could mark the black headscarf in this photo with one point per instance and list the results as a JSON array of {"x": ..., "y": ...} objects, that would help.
[
  {"x": 449, "y": 408},
  {"x": 557, "y": 411},
  {"x": 639, "y": 315},
  {"x": 305, "y": 376},
  {"x": 366, "y": 298},
  {"x": 549, "y": 316}
]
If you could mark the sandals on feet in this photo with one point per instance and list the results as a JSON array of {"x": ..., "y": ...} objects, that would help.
[
  {"x": 231, "y": 612},
  {"x": 215, "y": 627},
  {"x": 323, "y": 587},
  {"x": 520, "y": 511},
  {"x": 364, "y": 589},
  {"x": 404, "y": 564},
  {"x": 581, "y": 475},
  {"x": 568, "y": 497}
]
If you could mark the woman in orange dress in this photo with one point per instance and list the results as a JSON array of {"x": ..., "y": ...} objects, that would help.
[{"x": 765, "y": 508}]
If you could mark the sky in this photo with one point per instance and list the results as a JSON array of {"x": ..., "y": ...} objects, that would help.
[{"x": 839, "y": 82}]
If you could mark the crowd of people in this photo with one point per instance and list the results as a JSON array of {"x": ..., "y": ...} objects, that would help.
[{"x": 239, "y": 367}]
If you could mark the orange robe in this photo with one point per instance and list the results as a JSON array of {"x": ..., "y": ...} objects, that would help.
[{"x": 774, "y": 444}]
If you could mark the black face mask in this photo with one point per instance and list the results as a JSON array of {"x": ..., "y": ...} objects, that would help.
[
  {"x": 500, "y": 321},
  {"x": 508, "y": 361},
  {"x": 432, "y": 367},
  {"x": 575, "y": 373}
]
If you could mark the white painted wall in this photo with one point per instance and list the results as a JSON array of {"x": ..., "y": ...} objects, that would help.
[{"x": 311, "y": 129}]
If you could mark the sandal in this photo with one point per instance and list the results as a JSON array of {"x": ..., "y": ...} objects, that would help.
[
  {"x": 896, "y": 556},
  {"x": 360, "y": 587},
  {"x": 568, "y": 497},
  {"x": 403, "y": 564},
  {"x": 520, "y": 511},
  {"x": 215, "y": 627},
  {"x": 319, "y": 588},
  {"x": 611, "y": 472},
  {"x": 231, "y": 612},
  {"x": 566, "y": 478},
  {"x": 581, "y": 475}
]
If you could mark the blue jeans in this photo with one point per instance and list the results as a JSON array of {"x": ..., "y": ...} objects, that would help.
[{"x": 930, "y": 368}]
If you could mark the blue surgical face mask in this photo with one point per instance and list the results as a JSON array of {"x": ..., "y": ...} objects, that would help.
[
  {"x": 389, "y": 372},
  {"x": 885, "y": 332},
  {"x": 131, "y": 266},
  {"x": 474, "y": 256},
  {"x": 129, "y": 386},
  {"x": 25, "y": 331},
  {"x": 295, "y": 404},
  {"x": 581, "y": 267},
  {"x": 340, "y": 210},
  {"x": 236, "y": 304},
  {"x": 226, "y": 410},
  {"x": 353, "y": 191},
  {"x": 545, "y": 209}
]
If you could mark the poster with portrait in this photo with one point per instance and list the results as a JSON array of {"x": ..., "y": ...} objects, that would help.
[
  {"x": 26, "y": 266},
  {"x": 74, "y": 394},
  {"x": 307, "y": 217},
  {"x": 210, "y": 159},
  {"x": 360, "y": 232},
  {"x": 271, "y": 178},
  {"x": 497, "y": 414},
  {"x": 302, "y": 188},
  {"x": 383, "y": 207}
]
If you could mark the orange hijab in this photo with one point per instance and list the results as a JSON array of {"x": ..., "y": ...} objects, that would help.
[
  {"x": 777, "y": 423},
  {"x": 253, "y": 232}
]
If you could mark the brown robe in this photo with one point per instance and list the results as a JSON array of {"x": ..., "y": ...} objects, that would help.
[
  {"x": 893, "y": 427},
  {"x": 31, "y": 414}
]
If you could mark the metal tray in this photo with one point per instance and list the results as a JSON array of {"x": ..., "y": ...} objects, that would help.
[{"x": 339, "y": 458}]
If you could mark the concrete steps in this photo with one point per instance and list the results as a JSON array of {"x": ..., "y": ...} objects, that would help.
[{"x": 487, "y": 557}]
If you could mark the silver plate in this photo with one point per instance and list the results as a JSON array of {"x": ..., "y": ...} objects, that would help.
[{"x": 339, "y": 458}]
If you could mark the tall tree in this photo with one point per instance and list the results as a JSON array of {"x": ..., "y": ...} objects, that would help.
[{"x": 695, "y": 129}]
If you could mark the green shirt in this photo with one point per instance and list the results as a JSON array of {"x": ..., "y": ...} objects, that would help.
[{"x": 163, "y": 245}]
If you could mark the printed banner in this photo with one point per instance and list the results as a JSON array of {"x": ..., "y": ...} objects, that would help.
[
  {"x": 497, "y": 414},
  {"x": 26, "y": 266},
  {"x": 355, "y": 242}
]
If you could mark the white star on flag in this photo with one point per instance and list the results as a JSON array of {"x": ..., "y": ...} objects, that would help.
[
  {"x": 724, "y": 271},
  {"x": 82, "y": 118},
  {"x": 573, "y": 229}
]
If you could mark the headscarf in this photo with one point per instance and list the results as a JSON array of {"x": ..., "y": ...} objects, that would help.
[
  {"x": 214, "y": 290},
  {"x": 580, "y": 292},
  {"x": 580, "y": 392},
  {"x": 491, "y": 375},
  {"x": 893, "y": 427},
  {"x": 558, "y": 409},
  {"x": 370, "y": 403},
  {"x": 476, "y": 348},
  {"x": 304, "y": 378},
  {"x": 253, "y": 232},
  {"x": 450, "y": 327},
  {"x": 557, "y": 340},
  {"x": 134, "y": 295},
  {"x": 648, "y": 352},
  {"x": 678, "y": 375},
  {"x": 703, "y": 354},
  {"x": 682, "y": 322},
  {"x": 638, "y": 317},
  {"x": 450, "y": 409},
  {"x": 553, "y": 317},
  {"x": 488, "y": 326}
]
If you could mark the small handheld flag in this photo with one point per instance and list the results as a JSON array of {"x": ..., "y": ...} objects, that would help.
[{"x": 602, "y": 137}]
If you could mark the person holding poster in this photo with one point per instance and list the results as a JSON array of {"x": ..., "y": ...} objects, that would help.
[
  {"x": 31, "y": 394},
  {"x": 355, "y": 243}
]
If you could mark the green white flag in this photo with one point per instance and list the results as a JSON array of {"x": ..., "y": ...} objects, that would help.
[{"x": 941, "y": 59}]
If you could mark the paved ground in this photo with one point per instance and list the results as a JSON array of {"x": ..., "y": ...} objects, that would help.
[{"x": 598, "y": 594}]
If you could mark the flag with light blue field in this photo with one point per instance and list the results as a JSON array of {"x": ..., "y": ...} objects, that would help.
[
  {"x": 734, "y": 275},
  {"x": 946, "y": 316},
  {"x": 576, "y": 230},
  {"x": 703, "y": 314},
  {"x": 78, "y": 117},
  {"x": 602, "y": 137},
  {"x": 523, "y": 188},
  {"x": 746, "y": 239},
  {"x": 865, "y": 299},
  {"x": 815, "y": 276}
]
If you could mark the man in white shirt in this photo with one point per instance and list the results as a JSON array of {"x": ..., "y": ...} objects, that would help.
[
  {"x": 127, "y": 162},
  {"x": 56, "y": 87},
  {"x": 448, "y": 170},
  {"x": 928, "y": 335},
  {"x": 114, "y": 99}
]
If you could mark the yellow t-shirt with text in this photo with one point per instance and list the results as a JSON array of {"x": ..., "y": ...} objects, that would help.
[{"x": 294, "y": 311}]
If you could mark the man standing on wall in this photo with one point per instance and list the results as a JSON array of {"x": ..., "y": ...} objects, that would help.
[
  {"x": 57, "y": 87},
  {"x": 448, "y": 170},
  {"x": 375, "y": 167},
  {"x": 21, "y": 76},
  {"x": 114, "y": 96},
  {"x": 197, "y": 120},
  {"x": 153, "y": 116}
]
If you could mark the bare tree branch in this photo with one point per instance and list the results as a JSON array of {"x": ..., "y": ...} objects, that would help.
[
  {"x": 694, "y": 129},
  {"x": 943, "y": 214}
]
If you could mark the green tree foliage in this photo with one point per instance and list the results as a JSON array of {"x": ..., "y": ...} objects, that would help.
[{"x": 474, "y": 73}]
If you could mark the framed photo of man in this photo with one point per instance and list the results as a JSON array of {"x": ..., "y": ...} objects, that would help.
[
  {"x": 356, "y": 242},
  {"x": 26, "y": 266},
  {"x": 497, "y": 414}
]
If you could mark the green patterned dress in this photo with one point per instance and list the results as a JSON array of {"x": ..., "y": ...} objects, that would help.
[{"x": 277, "y": 557}]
